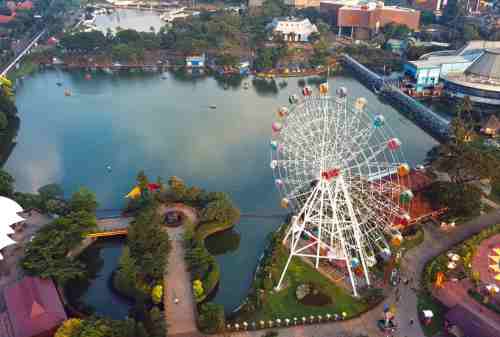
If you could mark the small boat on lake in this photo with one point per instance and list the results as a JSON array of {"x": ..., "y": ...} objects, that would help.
[
  {"x": 67, "y": 92},
  {"x": 213, "y": 107},
  {"x": 58, "y": 84}
]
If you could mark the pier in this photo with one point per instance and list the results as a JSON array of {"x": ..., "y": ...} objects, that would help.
[{"x": 427, "y": 119}]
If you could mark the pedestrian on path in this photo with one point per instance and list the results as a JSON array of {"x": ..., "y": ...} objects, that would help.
[{"x": 411, "y": 322}]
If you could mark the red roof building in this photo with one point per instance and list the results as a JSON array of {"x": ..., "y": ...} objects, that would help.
[
  {"x": 34, "y": 307},
  {"x": 7, "y": 18},
  {"x": 26, "y": 5}
]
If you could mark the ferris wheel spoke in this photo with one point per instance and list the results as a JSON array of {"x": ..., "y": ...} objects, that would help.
[{"x": 336, "y": 171}]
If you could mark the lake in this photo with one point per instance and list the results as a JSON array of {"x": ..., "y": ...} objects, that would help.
[
  {"x": 140, "y": 20},
  {"x": 165, "y": 127}
]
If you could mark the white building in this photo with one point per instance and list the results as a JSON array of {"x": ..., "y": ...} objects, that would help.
[{"x": 293, "y": 29}]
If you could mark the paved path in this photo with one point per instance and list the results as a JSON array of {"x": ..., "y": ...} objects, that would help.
[
  {"x": 454, "y": 293},
  {"x": 189, "y": 212},
  {"x": 180, "y": 317},
  {"x": 436, "y": 242},
  {"x": 23, "y": 53}
]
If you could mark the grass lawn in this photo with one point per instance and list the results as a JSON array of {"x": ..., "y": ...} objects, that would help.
[
  {"x": 427, "y": 302},
  {"x": 413, "y": 241},
  {"x": 283, "y": 304}
]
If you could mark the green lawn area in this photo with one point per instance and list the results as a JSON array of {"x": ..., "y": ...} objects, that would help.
[
  {"x": 427, "y": 302},
  {"x": 413, "y": 241},
  {"x": 283, "y": 304}
]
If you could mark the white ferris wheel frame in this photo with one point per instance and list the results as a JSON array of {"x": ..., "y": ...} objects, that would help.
[{"x": 349, "y": 216}]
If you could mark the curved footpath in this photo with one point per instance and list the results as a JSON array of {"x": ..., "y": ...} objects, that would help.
[
  {"x": 435, "y": 243},
  {"x": 181, "y": 316}
]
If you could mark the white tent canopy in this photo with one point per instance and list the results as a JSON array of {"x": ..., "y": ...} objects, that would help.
[
  {"x": 8, "y": 204},
  {"x": 8, "y": 216}
]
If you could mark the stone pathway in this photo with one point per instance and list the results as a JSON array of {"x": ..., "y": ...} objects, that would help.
[
  {"x": 180, "y": 317},
  {"x": 454, "y": 293}
]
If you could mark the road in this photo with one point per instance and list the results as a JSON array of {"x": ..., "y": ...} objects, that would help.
[{"x": 23, "y": 53}]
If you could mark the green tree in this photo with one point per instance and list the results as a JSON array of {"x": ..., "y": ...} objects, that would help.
[
  {"x": 126, "y": 277},
  {"x": 51, "y": 191},
  {"x": 395, "y": 31},
  {"x": 177, "y": 187},
  {"x": 211, "y": 317},
  {"x": 320, "y": 54},
  {"x": 83, "y": 199},
  {"x": 149, "y": 244},
  {"x": 142, "y": 180},
  {"x": 4, "y": 122},
  {"x": 156, "y": 326},
  {"x": 470, "y": 32},
  {"x": 6, "y": 184},
  {"x": 56, "y": 206},
  {"x": 461, "y": 199},
  {"x": 222, "y": 211},
  {"x": 70, "y": 328}
]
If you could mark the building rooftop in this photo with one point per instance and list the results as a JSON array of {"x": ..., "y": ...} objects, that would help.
[
  {"x": 34, "y": 307},
  {"x": 473, "y": 82},
  {"x": 437, "y": 61},
  {"x": 487, "y": 66}
]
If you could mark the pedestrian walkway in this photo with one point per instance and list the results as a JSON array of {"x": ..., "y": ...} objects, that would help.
[
  {"x": 455, "y": 293},
  {"x": 181, "y": 316},
  {"x": 436, "y": 242},
  {"x": 179, "y": 303}
]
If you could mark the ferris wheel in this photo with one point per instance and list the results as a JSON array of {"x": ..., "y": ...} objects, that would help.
[{"x": 343, "y": 174}]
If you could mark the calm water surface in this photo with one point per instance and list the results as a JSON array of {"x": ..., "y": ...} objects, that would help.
[
  {"x": 129, "y": 19},
  {"x": 135, "y": 122}
]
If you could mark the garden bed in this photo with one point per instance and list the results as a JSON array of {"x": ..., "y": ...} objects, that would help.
[{"x": 265, "y": 303}]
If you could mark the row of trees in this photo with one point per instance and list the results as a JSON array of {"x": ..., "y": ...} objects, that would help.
[
  {"x": 100, "y": 327},
  {"x": 144, "y": 260}
]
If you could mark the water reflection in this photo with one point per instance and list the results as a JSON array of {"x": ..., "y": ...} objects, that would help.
[
  {"x": 223, "y": 243},
  {"x": 140, "y": 20},
  {"x": 166, "y": 127}
]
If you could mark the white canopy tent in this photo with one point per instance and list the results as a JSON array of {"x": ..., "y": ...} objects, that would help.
[{"x": 8, "y": 217}]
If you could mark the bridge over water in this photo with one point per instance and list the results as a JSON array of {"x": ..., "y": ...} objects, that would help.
[
  {"x": 111, "y": 222},
  {"x": 426, "y": 118}
]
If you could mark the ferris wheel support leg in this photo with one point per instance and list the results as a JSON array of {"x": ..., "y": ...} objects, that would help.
[
  {"x": 278, "y": 287},
  {"x": 295, "y": 237}
]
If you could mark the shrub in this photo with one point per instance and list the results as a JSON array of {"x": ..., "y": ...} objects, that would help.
[
  {"x": 198, "y": 291},
  {"x": 211, "y": 318},
  {"x": 157, "y": 294},
  {"x": 69, "y": 328}
]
